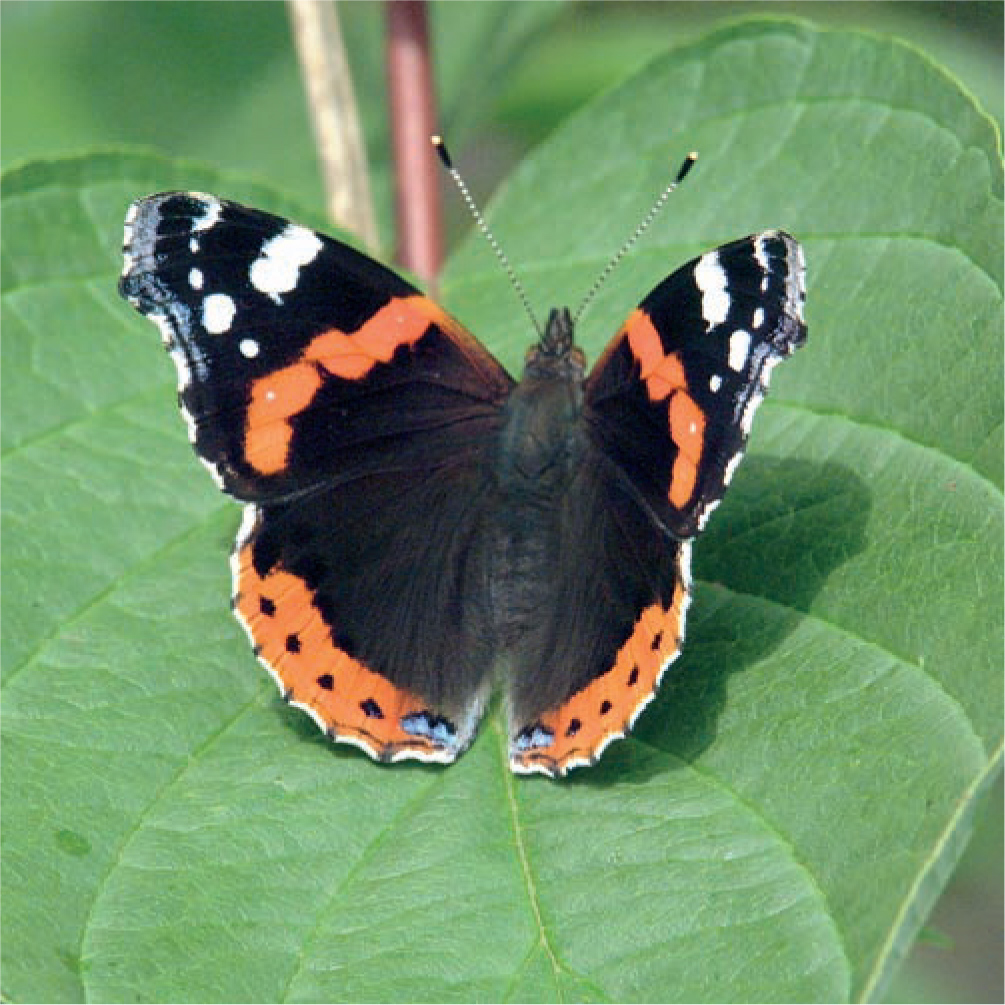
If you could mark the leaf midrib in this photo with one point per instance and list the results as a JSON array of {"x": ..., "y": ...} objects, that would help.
[{"x": 557, "y": 968}]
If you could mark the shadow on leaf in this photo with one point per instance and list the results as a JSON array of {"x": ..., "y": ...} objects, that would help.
[{"x": 787, "y": 525}]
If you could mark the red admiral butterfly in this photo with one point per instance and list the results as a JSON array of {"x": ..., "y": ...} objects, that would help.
[{"x": 414, "y": 517}]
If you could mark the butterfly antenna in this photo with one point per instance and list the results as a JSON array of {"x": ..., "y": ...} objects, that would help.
[
  {"x": 639, "y": 231},
  {"x": 444, "y": 155}
]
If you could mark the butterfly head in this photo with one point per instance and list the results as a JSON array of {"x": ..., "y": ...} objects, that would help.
[{"x": 556, "y": 354}]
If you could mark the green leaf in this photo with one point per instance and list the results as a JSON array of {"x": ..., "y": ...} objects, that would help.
[{"x": 781, "y": 820}]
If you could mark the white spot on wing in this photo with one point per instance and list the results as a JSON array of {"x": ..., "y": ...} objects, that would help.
[
  {"x": 218, "y": 312},
  {"x": 195, "y": 279},
  {"x": 438, "y": 755},
  {"x": 277, "y": 268},
  {"x": 214, "y": 472},
  {"x": 795, "y": 270},
  {"x": 739, "y": 347},
  {"x": 175, "y": 328},
  {"x": 249, "y": 348},
  {"x": 249, "y": 517},
  {"x": 714, "y": 383},
  {"x": 734, "y": 461},
  {"x": 529, "y": 768},
  {"x": 710, "y": 278},
  {"x": 184, "y": 376},
  {"x": 795, "y": 283},
  {"x": 128, "y": 259},
  {"x": 758, "y": 317},
  {"x": 211, "y": 212}
]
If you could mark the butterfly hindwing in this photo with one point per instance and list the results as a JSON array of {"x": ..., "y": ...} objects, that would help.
[
  {"x": 352, "y": 415},
  {"x": 613, "y": 624},
  {"x": 363, "y": 601}
]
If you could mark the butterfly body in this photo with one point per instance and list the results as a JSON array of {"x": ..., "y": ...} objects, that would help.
[{"x": 415, "y": 520}]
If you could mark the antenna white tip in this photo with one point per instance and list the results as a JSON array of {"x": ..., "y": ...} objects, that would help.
[
  {"x": 441, "y": 150},
  {"x": 686, "y": 166}
]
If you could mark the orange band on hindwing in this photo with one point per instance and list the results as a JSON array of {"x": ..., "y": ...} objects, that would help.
[
  {"x": 605, "y": 709},
  {"x": 349, "y": 701}
]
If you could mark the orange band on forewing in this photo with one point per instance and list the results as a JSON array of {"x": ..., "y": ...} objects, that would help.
[
  {"x": 662, "y": 373},
  {"x": 687, "y": 428},
  {"x": 278, "y": 397},
  {"x": 604, "y": 710},
  {"x": 351, "y": 701},
  {"x": 666, "y": 380},
  {"x": 645, "y": 342},
  {"x": 683, "y": 479},
  {"x": 275, "y": 399},
  {"x": 687, "y": 425},
  {"x": 401, "y": 321}
]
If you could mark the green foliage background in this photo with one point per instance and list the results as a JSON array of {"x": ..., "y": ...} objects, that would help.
[{"x": 82, "y": 420}]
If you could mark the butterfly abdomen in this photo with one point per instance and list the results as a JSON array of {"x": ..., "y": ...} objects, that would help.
[{"x": 538, "y": 450}]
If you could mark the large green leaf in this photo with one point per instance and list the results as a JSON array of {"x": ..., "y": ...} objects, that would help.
[{"x": 787, "y": 810}]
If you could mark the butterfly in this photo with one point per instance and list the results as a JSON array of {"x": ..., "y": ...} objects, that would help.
[{"x": 417, "y": 523}]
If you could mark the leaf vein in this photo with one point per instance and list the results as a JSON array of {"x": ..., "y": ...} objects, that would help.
[{"x": 558, "y": 967}]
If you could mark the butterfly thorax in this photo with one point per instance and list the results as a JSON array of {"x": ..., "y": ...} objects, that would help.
[{"x": 538, "y": 437}]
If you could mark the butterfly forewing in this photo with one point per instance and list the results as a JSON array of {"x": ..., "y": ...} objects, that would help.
[
  {"x": 292, "y": 348},
  {"x": 672, "y": 399}
]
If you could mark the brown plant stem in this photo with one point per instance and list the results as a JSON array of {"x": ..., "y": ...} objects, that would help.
[
  {"x": 334, "y": 117},
  {"x": 411, "y": 92}
]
